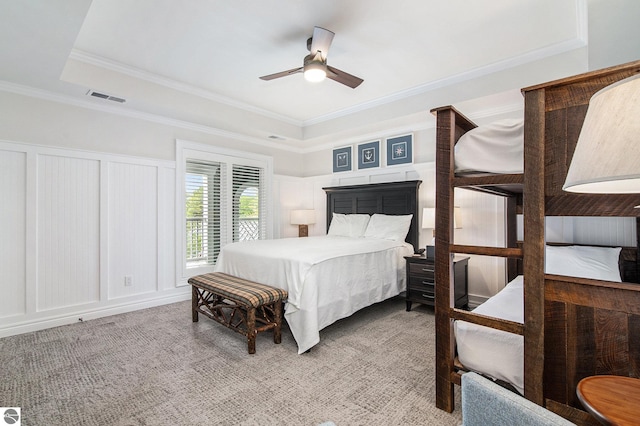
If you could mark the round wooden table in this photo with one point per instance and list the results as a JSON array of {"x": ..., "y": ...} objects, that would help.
[{"x": 613, "y": 400}]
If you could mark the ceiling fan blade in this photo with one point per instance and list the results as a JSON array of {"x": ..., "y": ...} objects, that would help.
[
  {"x": 320, "y": 41},
  {"x": 281, "y": 74},
  {"x": 343, "y": 77}
]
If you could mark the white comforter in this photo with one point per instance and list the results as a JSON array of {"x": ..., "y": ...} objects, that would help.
[
  {"x": 493, "y": 352},
  {"x": 327, "y": 277}
]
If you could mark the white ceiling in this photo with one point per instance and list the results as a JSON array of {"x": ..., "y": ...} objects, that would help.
[{"x": 198, "y": 61}]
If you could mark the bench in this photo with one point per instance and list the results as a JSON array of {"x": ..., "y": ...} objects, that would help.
[{"x": 238, "y": 304}]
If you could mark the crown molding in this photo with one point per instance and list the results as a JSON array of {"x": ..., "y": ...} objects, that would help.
[
  {"x": 535, "y": 55},
  {"x": 411, "y": 127},
  {"x": 100, "y": 62},
  {"x": 580, "y": 40},
  {"x": 125, "y": 112}
]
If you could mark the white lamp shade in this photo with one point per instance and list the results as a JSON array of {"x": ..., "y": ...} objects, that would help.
[
  {"x": 303, "y": 217},
  {"x": 607, "y": 156},
  {"x": 429, "y": 218}
]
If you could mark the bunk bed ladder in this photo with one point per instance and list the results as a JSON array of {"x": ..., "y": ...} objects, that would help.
[{"x": 450, "y": 126}]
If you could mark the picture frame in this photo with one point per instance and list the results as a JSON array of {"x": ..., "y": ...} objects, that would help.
[
  {"x": 399, "y": 150},
  {"x": 369, "y": 155},
  {"x": 342, "y": 159}
]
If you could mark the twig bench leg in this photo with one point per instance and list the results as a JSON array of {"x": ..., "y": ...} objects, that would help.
[
  {"x": 194, "y": 303},
  {"x": 251, "y": 330},
  {"x": 277, "y": 330}
]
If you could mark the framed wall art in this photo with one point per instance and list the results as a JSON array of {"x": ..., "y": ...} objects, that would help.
[
  {"x": 342, "y": 159},
  {"x": 400, "y": 150},
  {"x": 369, "y": 155}
]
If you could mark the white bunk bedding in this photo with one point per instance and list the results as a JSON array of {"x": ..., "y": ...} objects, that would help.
[
  {"x": 493, "y": 352},
  {"x": 327, "y": 277},
  {"x": 495, "y": 148},
  {"x": 499, "y": 354}
]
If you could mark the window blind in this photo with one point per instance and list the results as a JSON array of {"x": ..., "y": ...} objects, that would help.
[
  {"x": 206, "y": 209},
  {"x": 248, "y": 203},
  {"x": 204, "y": 204}
]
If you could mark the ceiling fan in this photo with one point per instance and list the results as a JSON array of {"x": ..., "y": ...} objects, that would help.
[{"x": 315, "y": 66}]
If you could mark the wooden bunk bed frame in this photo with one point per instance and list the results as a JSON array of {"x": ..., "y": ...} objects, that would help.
[{"x": 573, "y": 327}]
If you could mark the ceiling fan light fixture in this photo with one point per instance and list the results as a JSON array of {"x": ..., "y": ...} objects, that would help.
[
  {"x": 315, "y": 68},
  {"x": 315, "y": 71}
]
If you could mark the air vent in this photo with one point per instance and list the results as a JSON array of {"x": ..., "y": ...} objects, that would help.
[{"x": 105, "y": 96}]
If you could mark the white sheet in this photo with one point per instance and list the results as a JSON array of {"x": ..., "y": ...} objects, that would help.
[
  {"x": 493, "y": 352},
  {"x": 327, "y": 277},
  {"x": 495, "y": 148}
]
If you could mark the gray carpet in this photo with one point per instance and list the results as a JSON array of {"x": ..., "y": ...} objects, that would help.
[{"x": 156, "y": 367}]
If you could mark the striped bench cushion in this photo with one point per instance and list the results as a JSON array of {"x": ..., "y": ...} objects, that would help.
[{"x": 245, "y": 292}]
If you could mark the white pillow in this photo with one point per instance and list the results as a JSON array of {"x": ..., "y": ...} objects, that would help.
[
  {"x": 348, "y": 225},
  {"x": 598, "y": 263},
  {"x": 388, "y": 227}
]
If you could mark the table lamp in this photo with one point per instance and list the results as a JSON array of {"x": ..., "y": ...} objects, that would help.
[
  {"x": 302, "y": 218},
  {"x": 429, "y": 222}
]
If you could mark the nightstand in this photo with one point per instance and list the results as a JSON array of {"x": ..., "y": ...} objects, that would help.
[{"x": 421, "y": 281}]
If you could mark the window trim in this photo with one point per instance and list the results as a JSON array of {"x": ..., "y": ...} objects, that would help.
[{"x": 193, "y": 150}]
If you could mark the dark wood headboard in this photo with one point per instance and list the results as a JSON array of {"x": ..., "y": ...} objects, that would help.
[{"x": 393, "y": 198}]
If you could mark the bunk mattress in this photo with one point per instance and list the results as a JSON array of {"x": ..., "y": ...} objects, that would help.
[
  {"x": 493, "y": 148},
  {"x": 327, "y": 277},
  {"x": 495, "y": 353},
  {"x": 500, "y": 354}
]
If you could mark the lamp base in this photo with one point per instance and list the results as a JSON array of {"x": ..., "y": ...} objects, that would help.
[
  {"x": 303, "y": 230},
  {"x": 431, "y": 252}
]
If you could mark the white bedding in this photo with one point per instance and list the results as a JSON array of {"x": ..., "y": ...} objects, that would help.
[
  {"x": 500, "y": 354},
  {"x": 495, "y": 148},
  {"x": 493, "y": 352},
  {"x": 327, "y": 277}
]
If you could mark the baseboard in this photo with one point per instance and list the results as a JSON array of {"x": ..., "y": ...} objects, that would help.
[
  {"x": 475, "y": 300},
  {"x": 177, "y": 295}
]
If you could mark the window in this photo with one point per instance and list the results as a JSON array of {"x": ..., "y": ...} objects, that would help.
[
  {"x": 246, "y": 203},
  {"x": 202, "y": 211},
  {"x": 224, "y": 198}
]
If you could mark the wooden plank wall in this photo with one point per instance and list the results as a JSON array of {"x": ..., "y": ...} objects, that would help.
[{"x": 591, "y": 328}]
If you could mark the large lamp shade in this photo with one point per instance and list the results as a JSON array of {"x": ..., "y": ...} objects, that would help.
[{"x": 607, "y": 156}]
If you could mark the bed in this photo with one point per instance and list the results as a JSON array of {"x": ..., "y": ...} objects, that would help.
[
  {"x": 358, "y": 263},
  {"x": 573, "y": 327},
  {"x": 500, "y": 355}
]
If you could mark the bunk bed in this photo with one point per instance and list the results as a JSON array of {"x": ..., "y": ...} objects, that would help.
[{"x": 573, "y": 327}]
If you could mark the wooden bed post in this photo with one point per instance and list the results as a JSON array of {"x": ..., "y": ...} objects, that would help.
[
  {"x": 445, "y": 345},
  {"x": 534, "y": 242}
]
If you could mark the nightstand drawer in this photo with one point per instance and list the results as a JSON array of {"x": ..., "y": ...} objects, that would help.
[
  {"x": 421, "y": 283},
  {"x": 421, "y": 296},
  {"x": 426, "y": 270}
]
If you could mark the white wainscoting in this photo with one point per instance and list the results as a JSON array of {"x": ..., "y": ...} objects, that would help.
[
  {"x": 84, "y": 235},
  {"x": 68, "y": 231},
  {"x": 13, "y": 228}
]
